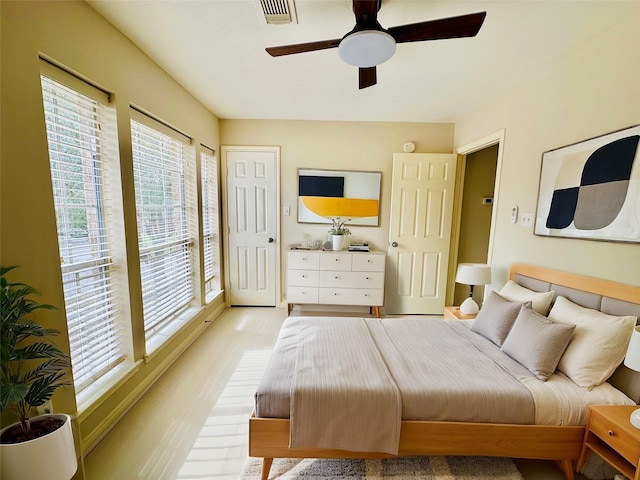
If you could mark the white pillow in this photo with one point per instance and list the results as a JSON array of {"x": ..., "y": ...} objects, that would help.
[
  {"x": 598, "y": 344},
  {"x": 540, "y": 301}
]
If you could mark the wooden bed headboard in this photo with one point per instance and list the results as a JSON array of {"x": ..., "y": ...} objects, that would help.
[{"x": 607, "y": 296}]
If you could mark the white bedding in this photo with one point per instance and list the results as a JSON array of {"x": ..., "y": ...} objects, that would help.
[{"x": 559, "y": 401}]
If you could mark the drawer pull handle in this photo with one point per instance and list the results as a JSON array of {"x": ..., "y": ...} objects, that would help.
[
  {"x": 304, "y": 276},
  {"x": 336, "y": 277},
  {"x": 366, "y": 278},
  {"x": 368, "y": 261},
  {"x": 610, "y": 432}
]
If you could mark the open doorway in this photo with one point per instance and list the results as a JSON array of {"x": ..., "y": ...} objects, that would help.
[
  {"x": 476, "y": 201},
  {"x": 475, "y": 214}
]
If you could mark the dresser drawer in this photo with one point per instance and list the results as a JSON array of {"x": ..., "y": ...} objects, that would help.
[
  {"x": 366, "y": 262},
  {"x": 351, "y": 279},
  {"x": 303, "y": 278},
  {"x": 621, "y": 441},
  {"x": 351, "y": 296},
  {"x": 336, "y": 261},
  {"x": 302, "y": 294},
  {"x": 303, "y": 260}
]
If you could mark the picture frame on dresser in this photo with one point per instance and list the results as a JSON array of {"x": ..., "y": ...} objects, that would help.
[
  {"x": 591, "y": 189},
  {"x": 324, "y": 194}
]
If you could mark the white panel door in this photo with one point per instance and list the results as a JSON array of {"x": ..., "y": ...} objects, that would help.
[
  {"x": 251, "y": 217},
  {"x": 419, "y": 232}
]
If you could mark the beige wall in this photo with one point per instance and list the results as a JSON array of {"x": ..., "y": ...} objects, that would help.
[
  {"x": 592, "y": 91},
  {"x": 335, "y": 145},
  {"x": 74, "y": 35}
]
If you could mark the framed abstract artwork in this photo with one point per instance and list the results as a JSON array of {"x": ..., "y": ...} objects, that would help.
[
  {"x": 591, "y": 189},
  {"x": 350, "y": 195}
]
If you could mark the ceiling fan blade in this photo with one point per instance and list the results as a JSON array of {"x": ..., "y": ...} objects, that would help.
[
  {"x": 453, "y": 27},
  {"x": 302, "y": 47},
  {"x": 367, "y": 77}
]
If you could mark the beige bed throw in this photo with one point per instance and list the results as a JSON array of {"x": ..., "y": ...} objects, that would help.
[{"x": 342, "y": 394}]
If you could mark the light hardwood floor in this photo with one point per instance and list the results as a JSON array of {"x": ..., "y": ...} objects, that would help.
[{"x": 192, "y": 424}]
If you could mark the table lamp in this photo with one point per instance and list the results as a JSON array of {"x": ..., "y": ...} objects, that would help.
[
  {"x": 632, "y": 360},
  {"x": 472, "y": 274}
]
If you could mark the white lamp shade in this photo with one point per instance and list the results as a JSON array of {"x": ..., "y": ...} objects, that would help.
[
  {"x": 473, "y": 274},
  {"x": 632, "y": 360}
]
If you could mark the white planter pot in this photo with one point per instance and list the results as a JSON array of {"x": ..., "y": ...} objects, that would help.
[
  {"x": 52, "y": 457},
  {"x": 338, "y": 242}
]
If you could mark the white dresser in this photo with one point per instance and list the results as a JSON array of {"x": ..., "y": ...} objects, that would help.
[{"x": 336, "y": 278}]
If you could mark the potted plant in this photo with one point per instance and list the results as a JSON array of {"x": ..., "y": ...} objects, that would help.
[
  {"x": 338, "y": 232},
  {"x": 32, "y": 370}
]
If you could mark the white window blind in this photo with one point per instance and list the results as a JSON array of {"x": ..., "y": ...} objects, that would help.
[
  {"x": 210, "y": 231},
  {"x": 160, "y": 159},
  {"x": 80, "y": 130}
]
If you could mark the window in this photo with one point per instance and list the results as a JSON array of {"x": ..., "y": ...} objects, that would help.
[
  {"x": 80, "y": 131},
  {"x": 210, "y": 231},
  {"x": 162, "y": 163}
]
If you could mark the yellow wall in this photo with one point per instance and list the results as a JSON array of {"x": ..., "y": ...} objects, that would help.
[
  {"x": 592, "y": 91},
  {"x": 74, "y": 35},
  {"x": 367, "y": 146}
]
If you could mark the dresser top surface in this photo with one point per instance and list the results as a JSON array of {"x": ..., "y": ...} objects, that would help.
[{"x": 336, "y": 252}]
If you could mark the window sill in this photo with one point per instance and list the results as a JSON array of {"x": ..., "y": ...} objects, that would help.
[
  {"x": 212, "y": 295},
  {"x": 92, "y": 397},
  {"x": 167, "y": 333}
]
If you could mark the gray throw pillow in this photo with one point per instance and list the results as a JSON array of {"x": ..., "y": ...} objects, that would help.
[
  {"x": 537, "y": 342},
  {"x": 496, "y": 318}
]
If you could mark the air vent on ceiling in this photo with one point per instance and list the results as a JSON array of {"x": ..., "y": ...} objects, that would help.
[{"x": 278, "y": 11}]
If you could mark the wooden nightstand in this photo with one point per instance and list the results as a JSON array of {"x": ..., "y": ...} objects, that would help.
[
  {"x": 610, "y": 434},
  {"x": 454, "y": 313}
]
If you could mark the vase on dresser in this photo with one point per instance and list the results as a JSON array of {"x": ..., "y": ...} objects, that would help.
[{"x": 338, "y": 242}]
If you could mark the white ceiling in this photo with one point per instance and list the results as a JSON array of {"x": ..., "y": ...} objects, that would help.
[{"x": 215, "y": 49}]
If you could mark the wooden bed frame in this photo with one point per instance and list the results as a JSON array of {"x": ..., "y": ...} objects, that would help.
[{"x": 269, "y": 437}]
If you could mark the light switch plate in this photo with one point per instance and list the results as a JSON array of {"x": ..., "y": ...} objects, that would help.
[{"x": 526, "y": 220}]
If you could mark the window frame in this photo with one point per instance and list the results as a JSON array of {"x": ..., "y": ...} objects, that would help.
[
  {"x": 80, "y": 122},
  {"x": 165, "y": 153}
]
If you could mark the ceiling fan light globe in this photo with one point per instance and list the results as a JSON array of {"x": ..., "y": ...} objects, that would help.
[{"x": 367, "y": 48}]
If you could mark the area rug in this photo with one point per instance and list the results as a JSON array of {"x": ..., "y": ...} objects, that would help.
[{"x": 424, "y": 468}]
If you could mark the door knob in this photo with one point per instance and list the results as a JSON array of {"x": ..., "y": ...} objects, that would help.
[
  {"x": 271, "y": 240},
  {"x": 394, "y": 244}
]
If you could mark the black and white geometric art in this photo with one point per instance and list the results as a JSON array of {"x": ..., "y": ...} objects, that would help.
[{"x": 591, "y": 189}]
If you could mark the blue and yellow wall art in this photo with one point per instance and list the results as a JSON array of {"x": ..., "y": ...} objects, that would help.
[
  {"x": 326, "y": 194},
  {"x": 591, "y": 189}
]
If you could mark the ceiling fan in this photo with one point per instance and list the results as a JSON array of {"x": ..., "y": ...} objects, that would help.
[{"x": 369, "y": 44}]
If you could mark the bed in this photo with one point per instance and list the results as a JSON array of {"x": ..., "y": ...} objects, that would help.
[{"x": 270, "y": 428}]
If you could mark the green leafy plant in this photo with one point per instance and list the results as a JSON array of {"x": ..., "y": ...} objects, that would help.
[
  {"x": 32, "y": 367},
  {"x": 337, "y": 226}
]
